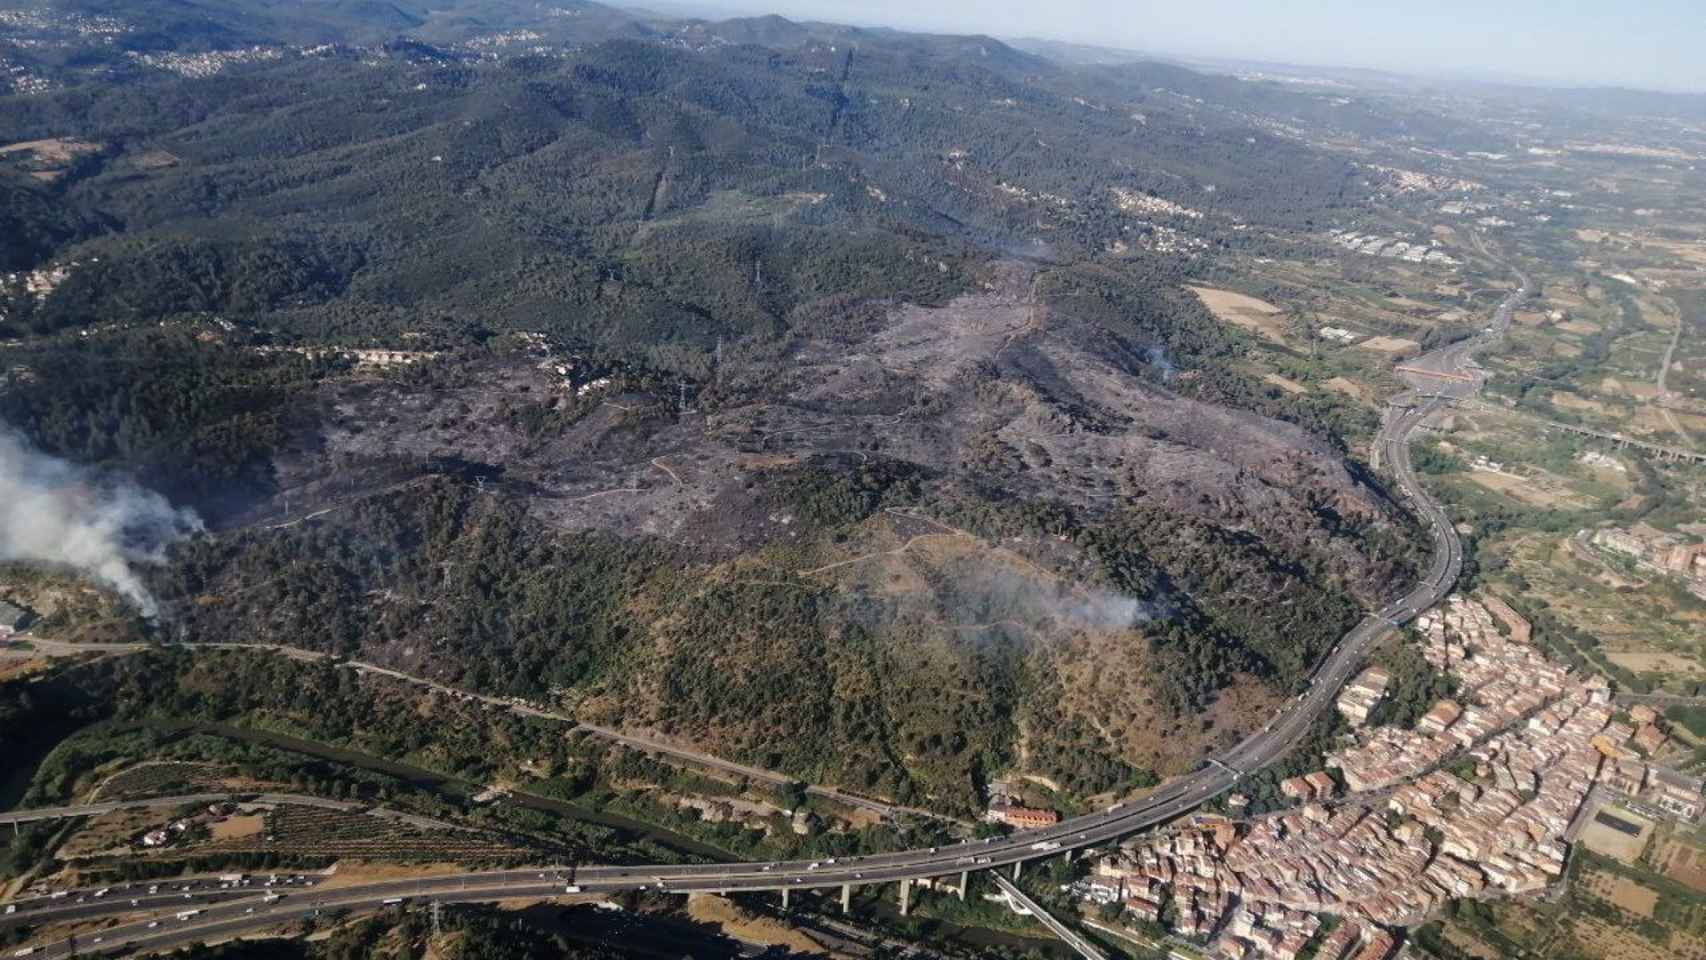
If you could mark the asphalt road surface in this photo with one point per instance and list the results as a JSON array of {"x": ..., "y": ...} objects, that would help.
[{"x": 218, "y": 919}]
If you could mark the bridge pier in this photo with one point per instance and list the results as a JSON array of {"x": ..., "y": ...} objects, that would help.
[
  {"x": 1016, "y": 866},
  {"x": 847, "y": 898},
  {"x": 905, "y": 897},
  {"x": 965, "y": 880},
  {"x": 784, "y": 899}
]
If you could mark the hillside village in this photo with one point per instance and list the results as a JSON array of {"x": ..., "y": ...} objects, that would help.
[{"x": 1482, "y": 799}]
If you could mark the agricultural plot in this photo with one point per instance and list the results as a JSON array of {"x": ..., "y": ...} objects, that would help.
[
  {"x": 313, "y": 832},
  {"x": 110, "y": 833},
  {"x": 161, "y": 778},
  {"x": 1621, "y": 892},
  {"x": 1682, "y": 861},
  {"x": 1246, "y": 312}
]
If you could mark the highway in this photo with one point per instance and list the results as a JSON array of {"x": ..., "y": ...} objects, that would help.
[{"x": 1178, "y": 797}]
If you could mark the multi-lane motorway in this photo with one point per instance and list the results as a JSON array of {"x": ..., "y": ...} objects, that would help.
[{"x": 220, "y": 919}]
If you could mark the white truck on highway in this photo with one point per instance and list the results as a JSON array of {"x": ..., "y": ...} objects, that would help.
[{"x": 572, "y": 888}]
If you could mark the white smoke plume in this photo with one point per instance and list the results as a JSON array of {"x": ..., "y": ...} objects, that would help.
[
  {"x": 976, "y": 595},
  {"x": 58, "y": 514},
  {"x": 1035, "y": 599},
  {"x": 1157, "y": 357}
]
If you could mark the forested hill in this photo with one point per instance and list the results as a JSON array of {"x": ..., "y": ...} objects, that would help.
[
  {"x": 627, "y": 195},
  {"x": 676, "y": 325},
  {"x": 371, "y": 190}
]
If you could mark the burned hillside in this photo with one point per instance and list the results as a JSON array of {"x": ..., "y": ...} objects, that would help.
[{"x": 779, "y": 546}]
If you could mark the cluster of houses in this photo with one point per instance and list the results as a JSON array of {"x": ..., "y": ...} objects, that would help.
[
  {"x": 1391, "y": 248},
  {"x": 1359, "y": 697},
  {"x": 1505, "y": 680},
  {"x": 1659, "y": 552},
  {"x": 182, "y": 826},
  {"x": 1311, "y": 786},
  {"x": 362, "y": 357},
  {"x": 1627, "y": 747},
  {"x": 1410, "y": 835}
]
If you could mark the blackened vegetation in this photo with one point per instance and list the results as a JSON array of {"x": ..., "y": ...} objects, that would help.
[{"x": 645, "y": 208}]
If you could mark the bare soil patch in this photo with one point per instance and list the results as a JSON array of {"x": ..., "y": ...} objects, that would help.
[
  {"x": 154, "y": 160},
  {"x": 1603, "y": 838},
  {"x": 1521, "y": 488},
  {"x": 1389, "y": 345},
  {"x": 352, "y": 873},
  {"x": 108, "y": 831},
  {"x": 56, "y": 152},
  {"x": 1245, "y": 311},
  {"x": 750, "y": 927},
  {"x": 234, "y": 828},
  {"x": 1639, "y": 391},
  {"x": 1655, "y": 662},
  {"x": 1569, "y": 401},
  {"x": 1633, "y": 897},
  {"x": 47, "y": 160},
  {"x": 13, "y": 667},
  {"x": 1683, "y": 862},
  {"x": 1350, "y": 388}
]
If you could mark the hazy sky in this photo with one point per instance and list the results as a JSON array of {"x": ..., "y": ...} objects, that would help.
[{"x": 1648, "y": 43}]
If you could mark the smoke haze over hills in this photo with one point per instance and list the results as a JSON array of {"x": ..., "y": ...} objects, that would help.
[{"x": 58, "y": 514}]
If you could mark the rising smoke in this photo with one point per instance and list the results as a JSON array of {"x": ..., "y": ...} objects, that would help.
[
  {"x": 58, "y": 514},
  {"x": 1157, "y": 358},
  {"x": 974, "y": 595},
  {"x": 1059, "y": 603}
]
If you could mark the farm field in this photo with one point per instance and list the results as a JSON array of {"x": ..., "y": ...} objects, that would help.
[
  {"x": 1244, "y": 311},
  {"x": 313, "y": 832}
]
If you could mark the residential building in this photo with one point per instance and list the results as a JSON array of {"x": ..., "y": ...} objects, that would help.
[
  {"x": 1440, "y": 717},
  {"x": 1022, "y": 818},
  {"x": 13, "y": 619},
  {"x": 1360, "y": 696},
  {"x": 1674, "y": 793}
]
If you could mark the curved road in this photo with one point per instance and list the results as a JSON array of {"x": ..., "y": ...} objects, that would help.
[{"x": 217, "y": 920}]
